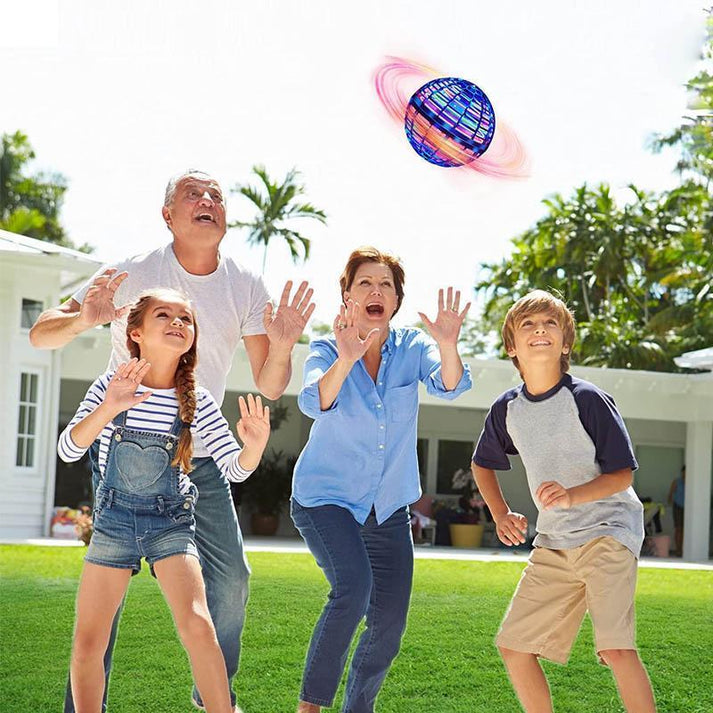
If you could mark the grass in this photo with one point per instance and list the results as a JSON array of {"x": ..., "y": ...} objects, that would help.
[{"x": 447, "y": 663}]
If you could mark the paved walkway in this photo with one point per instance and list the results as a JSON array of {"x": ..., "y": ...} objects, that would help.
[{"x": 292, "y": 545}]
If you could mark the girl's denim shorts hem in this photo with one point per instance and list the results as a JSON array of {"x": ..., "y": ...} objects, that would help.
[
  {"x": 135, "y": 567},
  {"x": 109, "y": 551}
]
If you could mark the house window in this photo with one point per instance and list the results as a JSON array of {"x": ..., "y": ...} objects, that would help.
[
  {"x": 452, "y": 456},
  {"x": 27, "y": 420},
  {"x": 31, "y": 310}
]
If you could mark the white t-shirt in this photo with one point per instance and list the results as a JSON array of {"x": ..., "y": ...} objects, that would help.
[{"x": 229, "y": 305}]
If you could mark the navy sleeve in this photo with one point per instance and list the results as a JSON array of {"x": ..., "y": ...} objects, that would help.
[
  {"x": 494, "y": 445},
  {"x": 605, "y": 426}
]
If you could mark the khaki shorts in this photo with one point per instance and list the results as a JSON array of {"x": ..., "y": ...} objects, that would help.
[{"x": 559, "y": 586}]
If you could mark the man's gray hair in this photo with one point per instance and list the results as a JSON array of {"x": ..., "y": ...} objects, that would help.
[{"x": 175, "y": 180}]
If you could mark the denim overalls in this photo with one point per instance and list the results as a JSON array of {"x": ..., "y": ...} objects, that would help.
[{"x": 144, "y": 507}]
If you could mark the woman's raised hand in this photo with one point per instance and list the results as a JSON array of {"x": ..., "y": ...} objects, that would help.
[
  {"x": 350, "y": 345},
  {"x": 121, "y": 392},
  {"x": 449, "y": 320}
]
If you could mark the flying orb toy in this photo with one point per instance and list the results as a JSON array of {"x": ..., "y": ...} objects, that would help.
[{"x": 449, "y": 122}]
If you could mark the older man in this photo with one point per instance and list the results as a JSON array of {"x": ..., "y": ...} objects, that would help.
[{"x": 231, "y": 304}]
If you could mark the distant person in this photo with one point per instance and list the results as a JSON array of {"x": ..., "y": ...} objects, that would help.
[
  {"x": 358, "y": 473},
  {"x": 579, "y": 461},
  {"x": 677, "y": 498},
  {"x": 144, "y": 414},
  {"x": 231, "y": 305}
]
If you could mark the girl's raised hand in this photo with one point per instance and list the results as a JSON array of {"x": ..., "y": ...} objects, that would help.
[
  {"x": 253, "y": 428},
  {"x": 121, "y": 392},
  {"x": 350, "y": 345},
  {"x": 449, "y": 320}
]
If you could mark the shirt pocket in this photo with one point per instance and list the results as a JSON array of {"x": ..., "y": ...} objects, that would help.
[{"x": 402, "y": 402}]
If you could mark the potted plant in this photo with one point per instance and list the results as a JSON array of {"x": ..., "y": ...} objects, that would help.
[
  {"x": 267, "y": 490},
  {"x": 84, "y": 525},
  {"x": 464, "y": 518}
]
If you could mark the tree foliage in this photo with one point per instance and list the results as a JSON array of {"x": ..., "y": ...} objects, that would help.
[
  {"x": 694, "y": 137},
  {"x": 277, "y": 206},
  {"x": 30, "y": 204},
  {"x": 637, "y": 275}
]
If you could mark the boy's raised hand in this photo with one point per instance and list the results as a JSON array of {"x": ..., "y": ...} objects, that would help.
[
  {"x": 511, "y": 528},
  {"x": 253, "y": 428},
  {"x": 121, "y": 392},
  {"x": 553, "y": 495}
]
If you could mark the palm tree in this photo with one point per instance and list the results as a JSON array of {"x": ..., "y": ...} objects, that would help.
[{"x": 277, "y": 205}]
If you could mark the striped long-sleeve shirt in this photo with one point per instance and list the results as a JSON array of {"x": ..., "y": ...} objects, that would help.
[{"x": 157, "y": 415}]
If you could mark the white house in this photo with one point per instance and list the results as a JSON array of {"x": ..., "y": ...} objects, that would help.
[
  {"x": 669, "y": 416},
  {"x": 34, "y": 275}
]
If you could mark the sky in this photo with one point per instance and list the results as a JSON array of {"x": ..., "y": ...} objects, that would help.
[{"x": 119, "y": 96}]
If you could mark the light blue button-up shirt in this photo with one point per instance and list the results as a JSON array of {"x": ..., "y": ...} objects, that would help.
[{"x": 361, "y": 452}]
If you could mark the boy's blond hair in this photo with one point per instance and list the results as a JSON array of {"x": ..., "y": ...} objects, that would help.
[{"x": 532, "y": 303}]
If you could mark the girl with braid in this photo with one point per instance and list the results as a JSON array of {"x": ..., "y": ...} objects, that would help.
[{"x": 144, "y": 415}]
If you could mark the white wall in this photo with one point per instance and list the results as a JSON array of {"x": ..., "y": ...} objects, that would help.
[{"x": 25, "y": 491}]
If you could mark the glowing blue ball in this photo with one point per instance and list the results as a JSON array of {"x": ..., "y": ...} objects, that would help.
[{"x": 449, "y": 122}]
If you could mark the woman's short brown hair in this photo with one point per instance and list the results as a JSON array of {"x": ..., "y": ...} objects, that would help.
[
  {"x": 371, "y": 254},
  {"x": 532, "y": 303}
]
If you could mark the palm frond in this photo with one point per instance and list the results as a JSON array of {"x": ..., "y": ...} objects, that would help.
[{"x": 275, "y": 204}]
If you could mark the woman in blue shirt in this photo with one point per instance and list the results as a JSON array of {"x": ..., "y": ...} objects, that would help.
[{"x": 358, "y": 473}]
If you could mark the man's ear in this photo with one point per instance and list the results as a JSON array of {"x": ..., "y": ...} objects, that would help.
[{"x": 166, "y": 213}]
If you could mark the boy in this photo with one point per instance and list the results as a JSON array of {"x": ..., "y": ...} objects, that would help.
[{"x": 579, "y": 463}]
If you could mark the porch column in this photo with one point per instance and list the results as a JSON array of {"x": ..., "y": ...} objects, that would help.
[{"x": 699, "y": 445}]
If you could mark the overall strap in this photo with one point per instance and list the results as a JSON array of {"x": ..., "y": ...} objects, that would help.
[
  {"x": 120, "y": 419},
  {"x": 177, "y": 423}
]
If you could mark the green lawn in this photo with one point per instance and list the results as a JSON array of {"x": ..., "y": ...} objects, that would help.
[{"x": 447, "y": 663}]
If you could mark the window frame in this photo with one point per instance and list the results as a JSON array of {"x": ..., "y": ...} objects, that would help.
[
  {"x": 25, "y": 435},
  {"x": 41, "y": 303}
]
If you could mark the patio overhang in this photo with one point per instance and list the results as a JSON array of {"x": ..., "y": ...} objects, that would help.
[{"x": 700, "y": 359}]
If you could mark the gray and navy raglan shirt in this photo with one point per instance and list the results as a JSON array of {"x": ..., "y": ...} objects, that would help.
[{"x": 571, "y": 434}]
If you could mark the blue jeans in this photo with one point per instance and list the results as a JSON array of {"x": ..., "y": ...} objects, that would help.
[
  {"x": 370, "y": 570},
  {"x": 225, "y": 569}
]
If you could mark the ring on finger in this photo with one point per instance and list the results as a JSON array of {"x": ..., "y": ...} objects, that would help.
[{"x": 341, "y": 325}]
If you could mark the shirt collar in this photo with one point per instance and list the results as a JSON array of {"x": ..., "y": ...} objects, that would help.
[
  {"x": 566, "y": 379},
  {"x": 390, "y": 344}
]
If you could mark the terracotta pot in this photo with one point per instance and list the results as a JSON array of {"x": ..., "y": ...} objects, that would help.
[
  {"x": 264, "y": 525},
  {"x": 466, "y": 535}
]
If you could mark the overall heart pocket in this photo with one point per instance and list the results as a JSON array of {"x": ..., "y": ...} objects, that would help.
[{"x": 140, "y": 468}]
